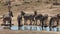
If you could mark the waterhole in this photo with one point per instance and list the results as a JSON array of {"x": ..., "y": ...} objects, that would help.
[{"x": 36, "y": 28}]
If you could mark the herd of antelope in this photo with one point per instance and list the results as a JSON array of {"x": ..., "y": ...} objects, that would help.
[{"x": 33, "y": 18}]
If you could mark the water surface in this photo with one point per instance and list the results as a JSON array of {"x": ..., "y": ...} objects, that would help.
[{"x": 36, "y": 28}]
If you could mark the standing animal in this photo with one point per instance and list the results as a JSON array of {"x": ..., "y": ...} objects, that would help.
[
  {"x": 44, "y": 20},
  {"x": 58, "y": 16},
  {"x": 38, "y": 17},
  {"x": 28, "y": 17},
  {"x": 41, "y": 18},
  {"x": 53, "y": 22},
  {"x": 7, "y": 18},
  {"x": 19, "y": 19}
]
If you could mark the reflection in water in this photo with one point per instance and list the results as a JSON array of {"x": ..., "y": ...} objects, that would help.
[
  {"x": 38, "y": 28},
  {"x": 14, "y": 28}
]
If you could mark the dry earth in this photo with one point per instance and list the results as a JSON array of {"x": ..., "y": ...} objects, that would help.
[{"x": 26, "y": 32}]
